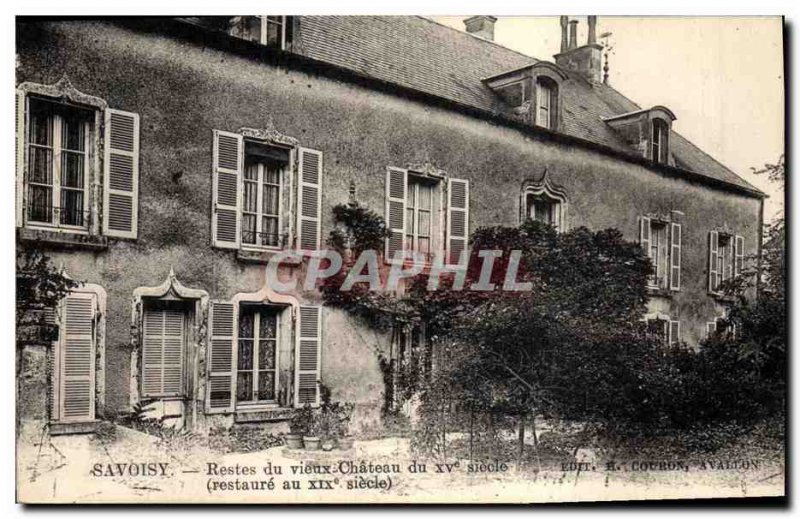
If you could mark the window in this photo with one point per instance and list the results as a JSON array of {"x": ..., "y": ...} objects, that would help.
[
  {"x": 254, "y": 197},
  {"x": 272, "y": 31},
  {"x": 419, "y": 215},
  {"x": 664, "y": 328},
  {"x": 57, "y": 176},
  {"x": 543, "y": 209},
  {"x": 726, "y": 258},
  {"x": 261, "y": 206},
  {"x": 256, "y": 377},
  {"x": 414, "y": 215},
  {"x": 660, "y": 141},
  {"x": 163, "y": 349},
  {"x": 546, "y": 95},
  {"x": 661, "y": 241}
]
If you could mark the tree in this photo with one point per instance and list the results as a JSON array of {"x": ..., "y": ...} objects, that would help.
[{"x": 40, "y": 287}]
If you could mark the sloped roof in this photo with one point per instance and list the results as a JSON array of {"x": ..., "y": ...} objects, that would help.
[{"x": 423, "y": 55}]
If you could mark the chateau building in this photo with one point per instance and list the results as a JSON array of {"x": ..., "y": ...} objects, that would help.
[{"x": 163, "y": 161}]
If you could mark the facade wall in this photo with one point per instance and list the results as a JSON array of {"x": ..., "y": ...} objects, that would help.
[{"x": 183, "y": 91}]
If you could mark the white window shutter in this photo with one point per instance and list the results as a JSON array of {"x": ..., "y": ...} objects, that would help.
[
  {"x": 675, "y": 257},
  {"x": 162, "y": 353},
  {"x": 228, "y": 159},
  {"x": 309, "y": 199},
  {"x": 711, "y": 328},
  {"x": 76, "y": 358},
  {"x": 713, "y": 258},
  {"x": 221, "y": 383},
  {"x": 644, "y": 234},
  {"x": 674, "y": 332},
  {"x": 738, "y": 264},
  {"x": 121, "y": 174},
  {"x": 396, "y": 186},
  {"x": 457, "y": 218},
  {"x": 308, "y": 356},
  {"x": 20, "y": 119}
]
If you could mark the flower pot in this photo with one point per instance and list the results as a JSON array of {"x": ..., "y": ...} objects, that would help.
[
  {"x": 328, "y": 445},
  {"x": 311, "y": 443},
  {"x": 294, "y": 441},
  {"x": 346, "y": 443}
]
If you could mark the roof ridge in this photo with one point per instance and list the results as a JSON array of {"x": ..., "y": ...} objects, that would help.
[{"x": 491, "y": 42}]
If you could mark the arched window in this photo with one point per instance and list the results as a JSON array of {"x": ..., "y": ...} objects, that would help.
[
  {"x": 660, "y": 141},
  {"x": 546, "y": 114},
  {"x": 543, "y": 202}
]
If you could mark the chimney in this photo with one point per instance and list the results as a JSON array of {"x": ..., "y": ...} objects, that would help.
[
  {"x": 586, "y": 59},
  {"x": 481, "y": 26},
  {"x": 564, "y": 22},
  {"x": 592, "y": 30},
  {"x": 573, "y": 34}
]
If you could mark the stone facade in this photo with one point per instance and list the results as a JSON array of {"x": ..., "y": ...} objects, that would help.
[{"x": 182, "y": 90}]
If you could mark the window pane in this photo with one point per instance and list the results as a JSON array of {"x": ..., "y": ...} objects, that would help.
[
  {"x": 266, "y": 385},
  {"x": 272, "y": 174},
  {"x": 411, "y": 192},
  {"x": 40, "y": 170},
  {"x": 424, "y": 245},
  {"x": 244, "y": 386},
  {"x": 40, "y": 205},
  {"x": 250, "y": 202},
  {"x": 274, "y": 27},
  {"x": 245, "y": 361},
  {"x": 248, "y": 228},
  {"x": 268, "y": 325},
  {"x": 425, "y": 196},
  {"x": 72, "y": 133},
  {"x": 266, "y": 354},
  {"x": 41, "y": 129},
  {"x": 424, "y": 227},
  {"x": 71, "y": 207},
  {"x": 72, "y": 169},
  {"x": 270, "y": 200},
  {"x": 246, "y": 323},
  {"x": 269, "y": 231}
]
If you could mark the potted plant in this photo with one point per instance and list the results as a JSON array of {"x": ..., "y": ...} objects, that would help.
[
  {"x": 344, "y": 415},
  {"x": 311, "y": 438},
  {"x": 298, "y": 426}
]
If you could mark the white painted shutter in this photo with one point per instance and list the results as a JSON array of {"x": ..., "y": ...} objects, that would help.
[
  {"x": 644, "y": 234},
  {"x": 674, "y": 332},
  {"x": 121, "y": 174},
  {"x": 396, "y": 186},
  {"x": 457, "y": 218},
  {"x": 77, "y": 358},
  {"x": 711, "y": 328},
  {"x": 713, "y": 258},
  {"x": 309, "y": 199},
  {"x": 738, "y": 264},
  {"x": 308, "y": 356},
  {"x": 220, "y": 389},
  {"x": 675, "y": 257},
  {"x": 20, "y": 118},
  {"x": 228, "y": 158},
  {"x": 162, "y": 353}
]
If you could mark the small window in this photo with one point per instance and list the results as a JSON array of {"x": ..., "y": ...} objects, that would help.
[
  {"x": 57, "y": 179},
  {"x": 256, "y": 376},
  {"x": 272, "y": 31},
  {"x": 420, "y": 224},
  {"x": 543, "y": 208},
  {"x": 660, "y": 141},
  {"x": 546, "y": 103},
  {"x": 665, "y": 329},
  {"x": 262, "y": 194},
  {"x": 658, "y": 254}
]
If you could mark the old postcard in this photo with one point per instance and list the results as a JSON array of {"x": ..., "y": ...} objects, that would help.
[{"x": 399, "y": 259}]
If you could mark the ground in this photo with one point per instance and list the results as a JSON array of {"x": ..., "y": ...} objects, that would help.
[{"x": 86, "y": 468}]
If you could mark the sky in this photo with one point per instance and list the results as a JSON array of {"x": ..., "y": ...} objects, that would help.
[{"x": 721, "y": 76}]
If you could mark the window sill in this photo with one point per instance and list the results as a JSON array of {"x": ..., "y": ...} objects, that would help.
[
  {"x": 88, "y": 427},
  {"x": 68, "y": 240},
  {"x": 263, "y": 414},
  {"x": 660, "y": 292},
  {"x": 722, "y": 298},
  {"x": 263, "y": 256}
]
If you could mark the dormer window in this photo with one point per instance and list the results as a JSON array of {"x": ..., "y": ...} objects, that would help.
[
  {"x": 546, "y": 100},
  {"x": 272, "y": 31},
  {"x": 660, "y": 141}
]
